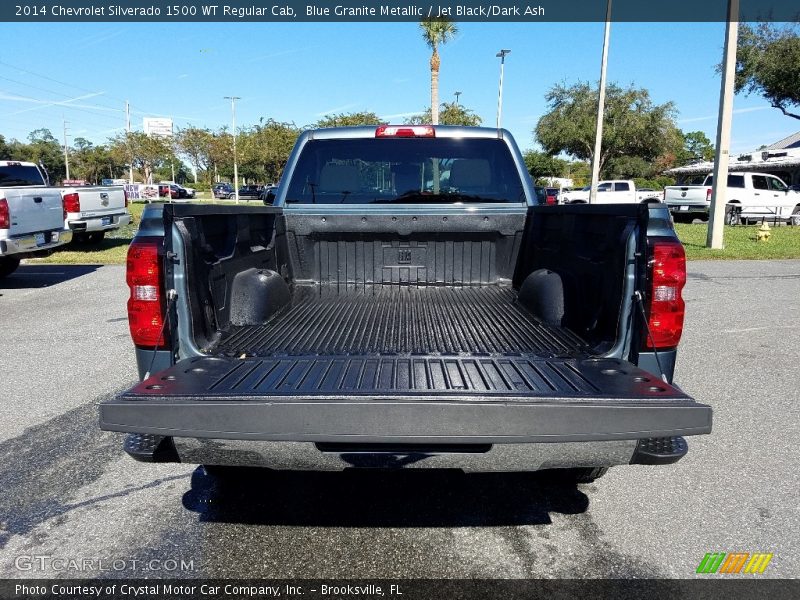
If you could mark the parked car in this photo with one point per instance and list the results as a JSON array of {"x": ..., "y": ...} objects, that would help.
[
  {"x": 223, "y": 191},
  {"x": 267, "y": 194},
  {"x": 183, "y": 191},
  {"x": 750, "y": 197},
  {"x": 418, "y": 325},
  {"x": 31, "y": 215},
  {"x": 249, "y": 191},
  {"x": 551, "y": 195}
]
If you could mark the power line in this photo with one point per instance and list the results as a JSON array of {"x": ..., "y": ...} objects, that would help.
[{"x": 41, "y": 89}]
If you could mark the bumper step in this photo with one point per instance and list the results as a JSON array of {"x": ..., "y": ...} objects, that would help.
[{"x": 660, "y": 451}]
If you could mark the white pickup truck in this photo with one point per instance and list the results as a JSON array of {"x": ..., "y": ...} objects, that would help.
[
  {"x": 616, "y": 191},
  {"x": 91, "y": 211},
  {"x": 31, "y": 215},
  {"x": 750, "y": 197}
]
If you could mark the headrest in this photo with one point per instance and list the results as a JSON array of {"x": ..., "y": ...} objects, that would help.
[
  {"x": 339, "y": 178},
  {"x": 470, "y": 173}
]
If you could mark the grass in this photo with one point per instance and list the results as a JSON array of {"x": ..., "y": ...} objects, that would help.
[{"x": 740, "y": 243}]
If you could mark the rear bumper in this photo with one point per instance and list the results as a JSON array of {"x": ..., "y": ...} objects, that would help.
[
  {"x": 406, "y": 421},
  {"x": 103, "y": 223},
  {"x": 27, "y": 245},
  {"x": 688, "y": 208}
]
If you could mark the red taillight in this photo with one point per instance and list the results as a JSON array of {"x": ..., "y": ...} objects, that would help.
[
  {"x": 667, "y": 278},
  {"x": 5, "y": 216},
  {"x": 405, "y": 131},
  {"x": 72, "y": 202},
  {"x": 146, "y": 303},
  {"x": 551, "y": 200},
  {"x": 709, "y": 191},
  {"x": 126, "y": 197}
]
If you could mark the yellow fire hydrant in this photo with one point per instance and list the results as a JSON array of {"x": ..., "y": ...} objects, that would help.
[{"x": 763, "y": 233}]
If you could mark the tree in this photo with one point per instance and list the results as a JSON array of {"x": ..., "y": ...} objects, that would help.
[
  {"x": 195, "y": 143},
  {"x": 264, "y": 149},
  {"x": 5, "y": 149},
  {"x": 768, "y": 63},
  {"x": 541, "y": 164},
  {"x": 145, "y": 152},
  {"x": 696, "y": 146},
  {"x": 450, "y": 113},
  {"x": 436, "y": 32},
  {"x": 44, "y": 148},
  {"x": 349, "y": 120},
  {"x": 633, "y": 125}
]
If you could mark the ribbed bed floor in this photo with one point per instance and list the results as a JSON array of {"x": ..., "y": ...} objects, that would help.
[{"x": 391, "y": 320}]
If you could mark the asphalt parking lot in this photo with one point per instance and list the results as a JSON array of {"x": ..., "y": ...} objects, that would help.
[{"x": 68, "y": 490}]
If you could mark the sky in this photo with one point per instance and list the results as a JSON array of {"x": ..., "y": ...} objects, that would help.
[{"x": 299, "y": 72}]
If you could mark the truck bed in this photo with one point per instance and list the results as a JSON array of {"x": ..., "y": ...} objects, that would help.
[{"x": 419, "y": 320}]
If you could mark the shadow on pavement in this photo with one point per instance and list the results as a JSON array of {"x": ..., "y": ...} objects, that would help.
[
  {"x": 40, "y": 276},
  {"x": 374, "y": 498}
]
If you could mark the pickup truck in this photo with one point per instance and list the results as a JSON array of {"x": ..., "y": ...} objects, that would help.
[
  {"x": 31, "y": 215},
  {"x": 613, "y": 192},
  {"x": 93, "y": 210},
  {"x": 750, "y": 197},
  {"x": 406, "y": 302}
]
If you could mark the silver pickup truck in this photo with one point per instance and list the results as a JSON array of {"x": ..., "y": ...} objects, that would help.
[
  {"x": 92, "y": 211},
  {"x": 31, "y": 215},
  {"x": 407, "y": 302}
]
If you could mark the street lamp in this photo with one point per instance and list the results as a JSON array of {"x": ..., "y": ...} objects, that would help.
[
  {"x": 601, "y": 104},
  {"x": 457, "y": 94},
  {"x": 233, "y": 100},
  {"x": 502, "y": 56}
]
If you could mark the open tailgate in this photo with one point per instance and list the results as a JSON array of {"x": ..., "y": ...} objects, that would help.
[{"x": 406, "y": 399}]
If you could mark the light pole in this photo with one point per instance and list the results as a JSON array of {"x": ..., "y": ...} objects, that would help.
[
  {"x": 716, "y": 213},
  {"x": 502, "y": 56},
  {"x": 457, "y": 94},
  {"x": 601, "y": 105},
  {"x": 233, "y": 100}
]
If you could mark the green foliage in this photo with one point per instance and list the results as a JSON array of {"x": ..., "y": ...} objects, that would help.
[
  {"x": 145, "y": 152},
  {"x": 541, "y": 164},
  {"x": 195, "y": 144},
  {"x": 264, "y": 150},
  {"x": 656, "y": 183},
  {"x": 633, "y": 125},
  {"x": 450, "y": 113},
  {"x": 696, "y": 146},
  {"x": 353, "y": 119},
  {"x": 436, "y": 32},
  {"x": 768, "y": 63},
  {"x": 5, "y": 149}
]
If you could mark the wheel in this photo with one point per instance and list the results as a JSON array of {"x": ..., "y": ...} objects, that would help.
[
  {"x": 731, "y": 214},
  {"x": 795, "y": 218},
  {"x": 8, "y": 264},
  {"x": 585, "y": 474},
  {"x": 95, "y": 237}
]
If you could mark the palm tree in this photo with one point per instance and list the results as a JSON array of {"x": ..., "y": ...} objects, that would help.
[{"x": 436, "y": 32}]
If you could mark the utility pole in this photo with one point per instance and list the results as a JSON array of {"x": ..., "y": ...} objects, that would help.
[
  {"x": 601, "y": 105},
  {"x": 66, "y": 147},
  {"x": 502, "y": 56},
  {"x": 457, "y": 94},
  {"x": 719, "y": 189},
  {"x": 128, "y": 130},
  {"x": 233, "y": 100}
]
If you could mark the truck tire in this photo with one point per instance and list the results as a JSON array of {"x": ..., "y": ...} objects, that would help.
[
  {"x": 576, "y": 475},
  {"x": 95, "y": 237},
  {"x": 8, "y": 264},
  {"x": 731, "y": 215},
  {"x": 794, "y": 220}
]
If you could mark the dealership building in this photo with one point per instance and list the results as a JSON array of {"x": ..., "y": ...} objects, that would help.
[{"x": 781, "y": 159}]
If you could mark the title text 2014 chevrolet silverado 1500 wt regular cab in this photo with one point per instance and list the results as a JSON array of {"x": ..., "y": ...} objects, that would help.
[
  {"x": 31, "y": 215},
  {"x": 406, "y": 302}
]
